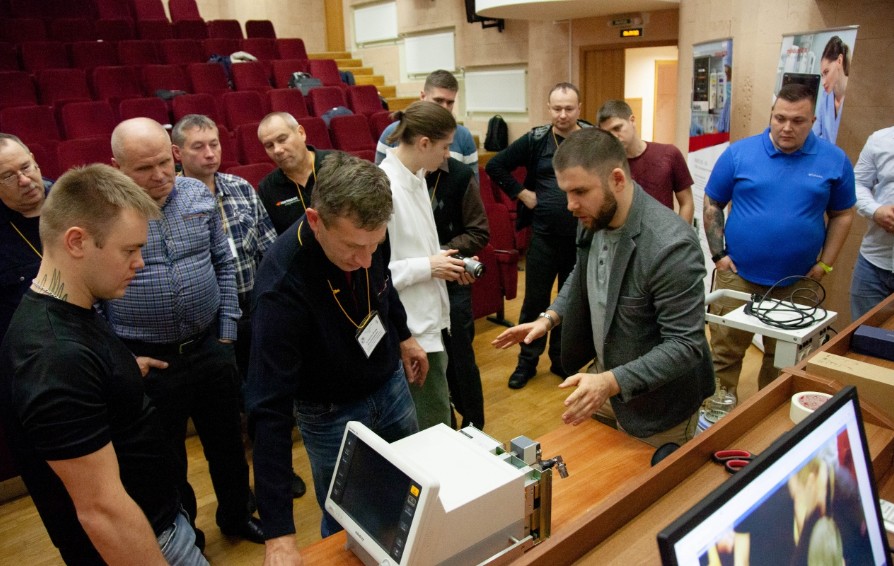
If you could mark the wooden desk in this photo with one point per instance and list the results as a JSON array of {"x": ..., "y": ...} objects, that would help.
[{"x": 600, "y": 461}]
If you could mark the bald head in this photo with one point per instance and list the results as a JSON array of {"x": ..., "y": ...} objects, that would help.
[{"x": 141, "y": 149}]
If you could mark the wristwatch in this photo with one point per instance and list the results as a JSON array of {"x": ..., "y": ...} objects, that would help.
[
  {"x": 549, "y": 318},
  {"x": 717, "y": 257}
]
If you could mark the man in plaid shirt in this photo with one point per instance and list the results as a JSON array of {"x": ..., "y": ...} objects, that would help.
[{"x": 245, "y": 221}]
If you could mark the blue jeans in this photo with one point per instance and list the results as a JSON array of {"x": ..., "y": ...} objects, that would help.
[
  {"x": 869, "y": 286},
  {"x": 178, "y": 543},
  {"x": 389, "y": 412}
]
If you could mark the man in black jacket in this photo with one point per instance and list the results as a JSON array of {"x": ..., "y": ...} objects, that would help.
[{"x": 552, "y": 251}]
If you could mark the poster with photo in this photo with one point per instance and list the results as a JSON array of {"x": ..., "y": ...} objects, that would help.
[
  {"x": 709, "y": 126},
  {"x": 821, "y": 60}
]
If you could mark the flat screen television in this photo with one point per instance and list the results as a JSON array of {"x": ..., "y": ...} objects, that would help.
[{"x": 810, "y": 498}]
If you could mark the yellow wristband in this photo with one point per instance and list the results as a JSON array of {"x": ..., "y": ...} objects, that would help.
[{"x": 826, "y": 267}]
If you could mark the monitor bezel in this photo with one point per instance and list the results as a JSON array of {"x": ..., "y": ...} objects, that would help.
[
  {"x": 673, "y": 533},
  {"x": 428, "y": 497}
]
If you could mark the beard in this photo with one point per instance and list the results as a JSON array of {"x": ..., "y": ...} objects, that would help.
[{"x": 606, "y": 213}]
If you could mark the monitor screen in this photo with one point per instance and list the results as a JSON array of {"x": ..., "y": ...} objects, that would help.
[
  {"x": 375, "y": 496},
  {"x": 810, "y": 498}
]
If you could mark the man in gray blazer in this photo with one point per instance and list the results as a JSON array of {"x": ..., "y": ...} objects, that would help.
[{"x": 633, "y": 308}]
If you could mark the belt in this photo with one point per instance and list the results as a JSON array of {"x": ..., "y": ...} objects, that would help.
[{"x": 173, "y": 348}]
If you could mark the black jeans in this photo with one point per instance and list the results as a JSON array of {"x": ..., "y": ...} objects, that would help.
[
  {"x": 548, "y": 257},
  {"x": 463, "y": 377},
  {"x": 203, "y": 384}
]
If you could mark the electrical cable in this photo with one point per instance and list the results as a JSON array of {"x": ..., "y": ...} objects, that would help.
[{"x": 800, "y": 310}]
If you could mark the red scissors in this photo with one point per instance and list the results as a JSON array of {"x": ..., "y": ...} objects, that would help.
[{"x": 733, "y": 460}]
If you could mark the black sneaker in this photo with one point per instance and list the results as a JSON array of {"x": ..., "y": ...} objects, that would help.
[
  {"x": 298, "y": 487},
  {"x": 520, "y": 377}
]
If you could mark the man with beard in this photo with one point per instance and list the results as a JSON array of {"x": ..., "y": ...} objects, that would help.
[{"x": 633, "y": 307}]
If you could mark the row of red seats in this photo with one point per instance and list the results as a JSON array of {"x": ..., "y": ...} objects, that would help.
[
  {"x": 19, "y": 30},
  {"x": 87, "y": 122},
  {"x": 35, "y": 56},
  {"x": 125, "y": 9}
]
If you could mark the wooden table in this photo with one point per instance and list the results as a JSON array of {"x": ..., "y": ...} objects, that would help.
[
  {"x": 600, "y": 460},
  {"x": 611, "y": 508}
]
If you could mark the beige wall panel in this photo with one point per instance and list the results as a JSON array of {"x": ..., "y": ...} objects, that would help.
[{"x": 293, "y": 18}]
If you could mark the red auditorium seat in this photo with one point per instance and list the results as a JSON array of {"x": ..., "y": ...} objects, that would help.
[
  {"x": 68, "y": 30},
  {"x": 138, "y": 52},
  {"x": 364, "y": 99},
  {"x": 283, "y": 69},
  {"x": 147, "y": 107},
  {"x": 209, "y": 78},
  {"x": 9, "y": 59},
  {"x": 83, "y": 151},
  {"x": 62, "y": 85},
  {"x": 253, "y": 172},
  {"x": 115, "y": 83},
  {"x": 351, "y": 133},
  {"x": 220, "y": 46},
  {"x": 243, "y": 107},
  {"x": 260, "y": 28},
  {"x": 20, "y": 30},
  {"x": 183, "y": 10},
  {"x": 154, "y": 30},
  {"x": 327, "y": 71},
  {"x": 201, "y": 103},
  {"x": 114, "y": 30},
  {"x": 487, "y": 296},
  {"x": 91, "y": 54},
  {"x": 114, "y": 9},
  {"x": 46, "y": 157},
  {"x": 378, "y": 122},
  {"x": 251, "y": 76},
  {"x": 182, "y": 51},
  {"x": 190, "y": 29},
  {"x": 18, "y": 89},
  {"x": 287, "y": 100},
  {"x": 88, "y": 119},
  {"x": 163, "y": 77},
  {"x": 261, "y": 47},
  {"x": 250, "y": 148},
  {"x": 319, "y": 100},
  {"x": 39, "y": 55},
  {"x": 33, "y": 124},
  {"x": 503, "y": 242},
  {"x": 148, "y": 10},
  {"x": 225, "y": 28},
  {"x": 317, "y": 132},
  {"x": 291, "y": 48},
  {"x": 229, "y": 153}
]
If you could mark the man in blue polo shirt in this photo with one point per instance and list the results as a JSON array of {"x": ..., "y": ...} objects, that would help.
[
  {"x": 440, "y": 87},
  {"x": 782, "y": 182}
]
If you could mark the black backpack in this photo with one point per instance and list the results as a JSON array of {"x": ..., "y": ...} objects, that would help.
[{"x": 497, "y": 138}]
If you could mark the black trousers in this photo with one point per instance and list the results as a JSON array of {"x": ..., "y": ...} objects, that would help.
[
  {"x": 463, "y": 377},
  {"x": 203, "y": 384},
  {"x": 548, "y": 258}
]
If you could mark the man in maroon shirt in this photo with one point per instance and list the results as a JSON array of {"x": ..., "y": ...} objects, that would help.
[{"x": 659, "y": 168}]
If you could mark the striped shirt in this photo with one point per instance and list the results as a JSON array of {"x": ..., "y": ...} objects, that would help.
[
  {"x": 188, "y": 283},
  {"x": 245, "y": 220}
]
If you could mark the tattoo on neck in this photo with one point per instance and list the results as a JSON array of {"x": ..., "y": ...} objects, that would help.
[{"x": 55, "y": 287}]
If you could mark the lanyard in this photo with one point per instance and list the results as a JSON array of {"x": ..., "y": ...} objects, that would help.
[
  {"x": 435, "y": 188},
  {"x": 27, "y": 241},
  {"x": 335, "y": 292},
  {"x": 313, "y": 171}
]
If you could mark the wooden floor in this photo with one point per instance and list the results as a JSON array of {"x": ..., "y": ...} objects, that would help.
[{"x": 531, "y": 411}]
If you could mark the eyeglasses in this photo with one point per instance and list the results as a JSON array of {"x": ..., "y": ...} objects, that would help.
[{"x": 10, "y": 179}]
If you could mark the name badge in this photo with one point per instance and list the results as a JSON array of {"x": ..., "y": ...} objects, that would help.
[
  {"x": 232, "y": 243},
  {"x": 370, "y": 333}
]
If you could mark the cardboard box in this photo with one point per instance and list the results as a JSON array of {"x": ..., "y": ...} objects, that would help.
[{"x": 874, "y": 383}]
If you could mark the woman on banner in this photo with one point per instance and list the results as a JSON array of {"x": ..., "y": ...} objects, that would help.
[{"x": 834, "y": 69}]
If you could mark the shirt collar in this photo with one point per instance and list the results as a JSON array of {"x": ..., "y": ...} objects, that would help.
[{"x": 809, "y": 147}]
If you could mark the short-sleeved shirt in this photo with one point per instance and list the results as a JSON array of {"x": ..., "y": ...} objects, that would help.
[
  {"x": 661, "y": 171},
  {"x": 69, "y": 387},
  {"x": 776, "y": 227}
]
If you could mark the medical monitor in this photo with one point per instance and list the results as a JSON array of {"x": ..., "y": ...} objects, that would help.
[
  {"x": 434, "y": 497},
  {"x": 809, "y": 498}
]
